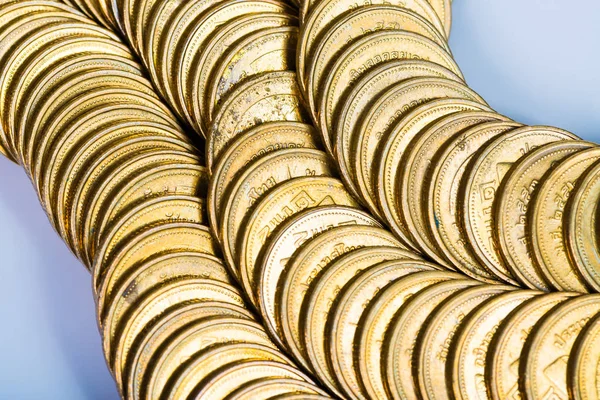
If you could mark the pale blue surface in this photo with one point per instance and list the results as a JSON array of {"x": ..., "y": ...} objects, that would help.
[{"x": 533, "y": 60}]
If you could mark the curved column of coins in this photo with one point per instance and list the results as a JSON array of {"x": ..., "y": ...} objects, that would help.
[
  {"x": 125, "y": 187},
  {"x": 358, "y": 307}
]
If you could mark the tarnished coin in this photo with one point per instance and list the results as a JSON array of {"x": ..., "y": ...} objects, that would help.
[
  {"x": 209, "y": 57},
  {"x": 481, "y": 184},
  {"x": 504, "y": 353},
  {"x": 326, "y": 12},
  {"x": 247, "y": 148},
  {"x": 344, "y": 317},
  {"x": 255, "y": 182},
  {"x": 368, "y": 88},
  {"x": 290, "y": 236},
  {"x": 272, "y": 96},
  {"x": 363, "y": 54},
  {"x": 441, "y": 192},
  {"x": 436, "y": 337},
  {"x": 195, "y": 338},
  {"x": 385, "y": 111},
  {"x": 269, "y": 387},
  {"x": 512, "y": 204},
  {"x": 546, "y": 221},
  {"x": 580, "y": 227},
  {"x": 158, "y": 333},
  {"x": 583, "y": 367},
  {"x": 375, "y": 320},
  {"x": 392, "y": 150},
  {"x": 268, "y": 49},
  {"x": 284, "y": 201},
  {"x": 307, "y": 262},
  {"x": 467, "y": 356},
  {"x": 543, "y": 365},
  {"x": 401, "y": 336},
  {"x": 355, "y": 24},
  {"x": 416, "y": 168},
  {"x": 155, "y": 304},
  {"x": 225, "y": 381}
]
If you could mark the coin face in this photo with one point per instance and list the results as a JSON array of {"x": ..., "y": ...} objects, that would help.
[
  {"x": 369, "y": 87},
  {"x": 394, "y": 146},
  {"x": 269, "y": 388},
  {"x": 284, "y": 201},
  {"x": 583, "y": 363},
  {"x": 580, "y": 227},
  {"x": 401, "y": 336},
  {"x": 436, "y": 337},
  {"x": 510, "y": 211},
  {"x": 307, "y": 262},
  {"x": 289, "y": 237},
  {"x": 272, "y": 96},
  {"x": 256, "y": 182},
  {"x": 467, "y": 357},
  {"x": 344, "y": 316},
  {"x": 546, "y": 221},
  {"x": 505, "y": 352},
  {"x": 376, "y": 319},
  {"x": 543, "y": 366},
  {"x": 482, "y": 182},
  {"x": 441, "y": 194}
]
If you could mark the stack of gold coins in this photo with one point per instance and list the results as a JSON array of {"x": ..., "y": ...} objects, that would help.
[{"x": 396, "y": 237}]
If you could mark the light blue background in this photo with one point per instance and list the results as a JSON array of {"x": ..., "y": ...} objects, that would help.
[{"x": 533, "y": 60}]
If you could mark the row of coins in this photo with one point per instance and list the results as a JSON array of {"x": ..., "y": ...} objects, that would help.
[
  {"x": 331, "y": 285},
  {"x": 123, "y": 185}
]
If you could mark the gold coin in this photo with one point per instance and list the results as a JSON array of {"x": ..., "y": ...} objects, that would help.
[
  {"x": 387, "y": 109},
  {"x": 302, "y": 396},
  {"x": 468, "y": 354},
  {"x": 159, "y": 332},
  {"x": 583, "y": 363},
  {"x": 510, "y": 210},
  {"x": 363, "y": 54},
  {"x": 415, "y": 169},
  {"x": 394, "y": 146},
  {"x": 504, "y": 354},
  {"x": 326, "y": 12},
  {"x": 284, "y": 201},
  {"x": 268, "y": 49},
  {"x": 255, "y": 183},
  {"x": 195, "y": 338},
  {"x": 345, "y": 315},
  {"x": 306, "y": 263},
  {"x": 209, "y": 58},
  {"x": 290, "y": 236},
  {"x": 223, "y": 383},
  {"x": 320, "y": 296},
  {"x": 272, "y": 96},
  {"x": 355, "y": 24},
  {"x": 580, "y": 227},
  {"x": 441, "y": 192},
  {"x": 436, "y": 337},
  {"x": 215, "y": 357},
  {"x": 188, "y": 33},
  {"x": 401, "y": 336},
  {"x": 482, "y": 182},
  {"x": 267, "y": 388},
  {"x": 368, "y": 88},
  {"x": 51, "y": 79},
  {"x": 117, "y": 344},
  {"x": 543, "y": 364},
  {"x": 545, "y": 221},
  {"x": 247, "y": 148},
  {"x": 376, "y": 318},
  {"x": 152, "y": 273},
  {"x": 168, "y": 238},
  {"x": 149, "y": 212}
]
